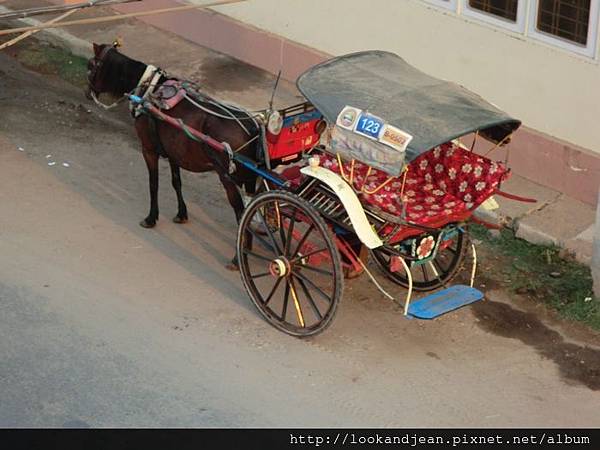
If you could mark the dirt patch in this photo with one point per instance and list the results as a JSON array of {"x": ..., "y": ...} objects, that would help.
[
  {"x": 433, "y": 355},
  {"x": 227, "y": 74},
  {"x": 577, "y": 364}
]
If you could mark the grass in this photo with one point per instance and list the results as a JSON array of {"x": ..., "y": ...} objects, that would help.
[
  {"x": 540, "y": 273},
  {"x": 48, "y": 59}
]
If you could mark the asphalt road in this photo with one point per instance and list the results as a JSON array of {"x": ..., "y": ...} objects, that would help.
[{"x": 103, "y": 323}]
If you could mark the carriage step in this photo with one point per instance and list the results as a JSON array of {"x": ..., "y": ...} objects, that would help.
[{"x": 444, "y": 301}]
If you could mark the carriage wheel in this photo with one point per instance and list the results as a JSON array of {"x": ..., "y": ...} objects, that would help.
[
  {"x": 433, "y": 274},
  {"x": 289, "y": 263}
]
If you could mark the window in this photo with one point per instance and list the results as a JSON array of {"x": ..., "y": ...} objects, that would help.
[
  {"x": 509, "y": 14},
  {"x": 505, "y": 9},
  {"x": 570, "y": 24},
  {"x": 568, "y": 19}
]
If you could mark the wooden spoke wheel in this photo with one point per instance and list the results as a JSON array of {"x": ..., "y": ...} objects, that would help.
[
  {"x": 432, "y": 274},
  {"x": 289, "y": 263}
]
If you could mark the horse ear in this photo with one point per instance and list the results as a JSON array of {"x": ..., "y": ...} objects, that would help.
[{"x": 96, "y": 49}]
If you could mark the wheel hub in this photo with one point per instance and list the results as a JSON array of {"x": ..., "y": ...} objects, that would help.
[{"x": 279, "y": 267}]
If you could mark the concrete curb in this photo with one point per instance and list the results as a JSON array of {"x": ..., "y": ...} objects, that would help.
[
  {"x": 578, "y": 247},
  {"x": 535, "y": 236}
]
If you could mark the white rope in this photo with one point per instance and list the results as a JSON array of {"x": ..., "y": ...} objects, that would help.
[
  {"x": 104, "y": 105},
  {"x": 246, "y": 144},
  {"x": 474, "y": 269},
  {"x": 410, "y": 285},
  {"x": 381, "y": 289}
]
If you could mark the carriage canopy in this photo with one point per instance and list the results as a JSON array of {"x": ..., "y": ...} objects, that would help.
[{"x": 427, "y": 110}]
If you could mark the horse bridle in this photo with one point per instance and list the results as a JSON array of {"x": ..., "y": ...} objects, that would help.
[
  {"x": 151, "y": 77},
  {"x": 95, "y": 65}
]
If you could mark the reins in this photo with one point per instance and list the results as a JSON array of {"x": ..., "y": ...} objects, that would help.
[
  {"x": 221, "y": 116},
  {"x": 148, "y": 83},
  {"x": 105, "y": 106}
]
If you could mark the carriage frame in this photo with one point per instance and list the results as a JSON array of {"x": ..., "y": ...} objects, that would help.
[{"x": 334, "y": 190}]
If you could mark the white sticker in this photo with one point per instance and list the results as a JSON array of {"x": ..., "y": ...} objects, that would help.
[
  {"x": 395, "y": 138},
  {"x": 372, "y": 127},
  {"x": 348, "y": 117}
]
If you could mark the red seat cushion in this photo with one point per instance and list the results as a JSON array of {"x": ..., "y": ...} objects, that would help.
[
  {"x": 442, "y": 185},
  {"x": 467, "y": 176}
]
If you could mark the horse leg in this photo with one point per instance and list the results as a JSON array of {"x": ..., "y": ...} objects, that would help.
[
  {"x": 151, "y": 158},
  {"x": 250, "y": 186},
  {"x": 182, "y": 215},
  {"x": 236, "y": 202}
]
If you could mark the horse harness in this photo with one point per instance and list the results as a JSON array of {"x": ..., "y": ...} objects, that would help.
[{"x": 166, "y": 96}]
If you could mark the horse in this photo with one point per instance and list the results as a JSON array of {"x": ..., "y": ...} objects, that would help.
[{"x": 111, "y": 72}]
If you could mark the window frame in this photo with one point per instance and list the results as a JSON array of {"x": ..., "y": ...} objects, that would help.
[
  {"x": 517, "y": 27},
  {"x": 450, "y": 5},
  {"x": 588, "y": 50}
]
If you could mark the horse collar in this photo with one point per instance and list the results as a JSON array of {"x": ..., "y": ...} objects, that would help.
[
  {"x": 146, "y": 85},
  {"x": 150, "y": 77}
]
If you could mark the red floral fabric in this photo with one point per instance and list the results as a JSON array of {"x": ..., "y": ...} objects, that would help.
[
  {"x": 442, "y": 185},
  {"x": 468, "y": 177}
]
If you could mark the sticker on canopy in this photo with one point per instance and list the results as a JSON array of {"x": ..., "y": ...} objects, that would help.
[
  {"x": 395, "y": 138},
  {"x": 369, "y": 125},
  {"x": 348, "y": 117}
]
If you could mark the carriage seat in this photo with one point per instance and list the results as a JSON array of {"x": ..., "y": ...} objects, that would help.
[{"x": 443, "y": 185}]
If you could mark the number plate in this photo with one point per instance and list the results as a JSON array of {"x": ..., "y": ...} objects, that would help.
[{"x": 369, "y": 125}]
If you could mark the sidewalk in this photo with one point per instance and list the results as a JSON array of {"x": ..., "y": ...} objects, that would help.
[{"x": 556, "y": 218}]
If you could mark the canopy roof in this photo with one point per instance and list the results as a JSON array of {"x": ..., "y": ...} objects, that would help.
[{"x": 433, "y": 111}]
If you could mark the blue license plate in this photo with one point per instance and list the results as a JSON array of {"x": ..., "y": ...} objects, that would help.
[{"x": 369, "y": 125}]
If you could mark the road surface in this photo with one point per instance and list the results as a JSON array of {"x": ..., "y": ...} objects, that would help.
[{"x": 103, "y": 323}]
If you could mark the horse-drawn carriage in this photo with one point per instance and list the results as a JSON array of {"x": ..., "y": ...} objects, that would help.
[{"x": 371, "y": 161}]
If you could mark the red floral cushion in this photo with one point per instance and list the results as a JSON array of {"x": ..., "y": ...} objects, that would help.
[
  {"x": 468, "y": 177},
  {"x": 425, "y": 204},
  {"x": 442, "y": 185}
]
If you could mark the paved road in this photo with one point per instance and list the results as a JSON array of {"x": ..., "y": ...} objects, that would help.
[{"x": 103, "y": 323}]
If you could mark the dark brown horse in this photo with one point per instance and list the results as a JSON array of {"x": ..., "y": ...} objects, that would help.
[{"x": 114, "y": 73}]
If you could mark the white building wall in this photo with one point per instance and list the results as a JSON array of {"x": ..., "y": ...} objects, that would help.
[{"x": 551, "y": 89}]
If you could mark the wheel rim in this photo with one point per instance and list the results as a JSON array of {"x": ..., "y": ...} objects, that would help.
[
  {"x": 289, "y": 263},
  {"x": 432, "y": 274}
]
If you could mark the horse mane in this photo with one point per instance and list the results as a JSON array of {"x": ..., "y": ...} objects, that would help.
[{"x": 121, "y": 73}]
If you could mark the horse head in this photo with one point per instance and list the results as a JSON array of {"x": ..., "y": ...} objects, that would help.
[
  {"x": 95, "y": 73},
  {"x": 111, "y": 72}
]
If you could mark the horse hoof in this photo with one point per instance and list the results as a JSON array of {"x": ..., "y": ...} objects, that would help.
[
  {"x": 147, "y": 224},
  {"x": 231, "y": 266},
  {"x": 178, "y": 219},
  {"x": 259, "y": 229},
  {"x": 351, "y": 274}
]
